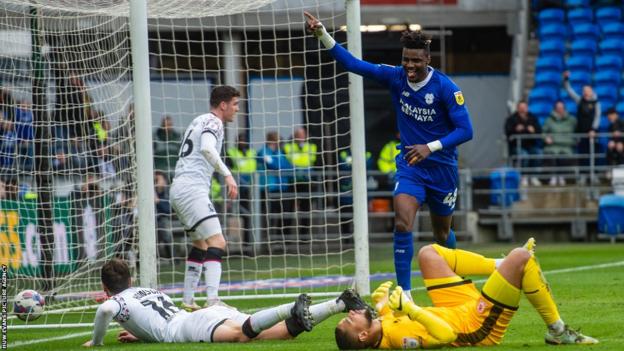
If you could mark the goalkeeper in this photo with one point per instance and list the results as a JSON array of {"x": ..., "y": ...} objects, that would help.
[{"x": 462, "y": 315}]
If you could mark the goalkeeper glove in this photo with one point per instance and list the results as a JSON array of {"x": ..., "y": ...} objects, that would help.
[
  {"x": 400, "y": 303},
  {"x": 381, "y": 293}
]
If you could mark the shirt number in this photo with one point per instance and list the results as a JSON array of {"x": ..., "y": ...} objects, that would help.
[{"x": 165, "y": 308}]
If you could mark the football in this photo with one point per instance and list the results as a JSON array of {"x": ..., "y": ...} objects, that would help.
[{"x": 28, "y": 305}]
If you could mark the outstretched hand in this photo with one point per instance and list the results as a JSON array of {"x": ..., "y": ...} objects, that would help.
[
  {"x": 312, "y": 23},
  {"x": 232, "y": 187}
]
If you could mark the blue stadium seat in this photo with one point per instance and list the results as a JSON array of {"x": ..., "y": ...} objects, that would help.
[
  {"x": 606, "y": 92},
  {"x": 548, "y": 79},
  {"x": 580, "y": 15},
  {"x": 587, "y": 31},
  {"x": 611, "y": 214},
  {"x": 612, "y": 47},
  {"x": 549, "y": 63},
  {"x": 549, "y": 16},
  {"x": 608, "y": 78},
  {"x": 608, "y": 14},
  {"x": 583, "y": 47},
  {"x": 554, "y": 31},
  {"x": 622, "y": 93},
  {"x": 608, "y": 62},
  {"x": 580, "y": 78},
  {"x": 540, "y": 110},
  {"x": 552, "y": 48},
  {"x": 576, "y": 3},
  {"x": 613, "y": 30},
  {"x": 619, "y": 107},
  {"x": 504, "y": 183},
  {"x": 542, "y": 95},
  {"x": 580, "y": 63},
  {"x": 571, "y": 106}
]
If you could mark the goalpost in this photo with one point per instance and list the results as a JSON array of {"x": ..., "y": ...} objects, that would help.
[{"x": 95, "y": 97}]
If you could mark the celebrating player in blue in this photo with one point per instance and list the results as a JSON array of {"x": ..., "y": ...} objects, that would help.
[{"x": 432, "y": 121}]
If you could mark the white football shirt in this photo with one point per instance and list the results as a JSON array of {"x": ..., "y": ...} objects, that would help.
[{"x": 192, "y": 167}]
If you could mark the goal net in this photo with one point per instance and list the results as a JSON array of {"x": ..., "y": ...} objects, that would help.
[{"x": 68, "y": 191}]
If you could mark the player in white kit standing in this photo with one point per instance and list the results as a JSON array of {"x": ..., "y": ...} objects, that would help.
[
  {"x": 149, "y": 315},
  {"x": 199, "y": 158}
]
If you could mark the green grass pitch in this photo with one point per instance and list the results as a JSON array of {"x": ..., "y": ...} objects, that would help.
[{"x": 591, "y": 298}]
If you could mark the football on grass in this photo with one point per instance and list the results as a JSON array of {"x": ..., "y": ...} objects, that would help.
[{"x": 28, "y": 305}]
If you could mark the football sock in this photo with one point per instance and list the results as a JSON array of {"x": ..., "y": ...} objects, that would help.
[
  {"x": 194, "y": 263},
  {"x": 267, "y": 318},
  {"x": 451, "y": 241},
  {"x": 537, "y": 291},
  {"x": 321, "y": 311},
  {"x": 465, "y": 262},
  {"x": 212, "y": 271},
  {"x": 403, "y": 253}
]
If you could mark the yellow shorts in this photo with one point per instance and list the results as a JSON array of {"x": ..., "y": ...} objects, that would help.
[{"x": 479, "y": 318}]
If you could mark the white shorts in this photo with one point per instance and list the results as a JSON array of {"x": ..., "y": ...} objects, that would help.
[
  {"x": 199, "y": 326},
  {"x": 195, "y": 210}
]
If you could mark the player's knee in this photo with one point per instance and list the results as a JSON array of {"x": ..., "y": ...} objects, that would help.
[
  {"x": 520, "y": 254},
  {"x": 401, "y": 224},
  {"x": 216, "y": 241},
  {"x": 426, "y": 253}
]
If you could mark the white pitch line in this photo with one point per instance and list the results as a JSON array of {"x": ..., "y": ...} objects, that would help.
[{"x": 554, "y": 271}]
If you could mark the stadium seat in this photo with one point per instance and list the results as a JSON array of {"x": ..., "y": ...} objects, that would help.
[
  {"x": 614, "y": 30},
  {"x": 608, "y": 62},
  {"x": 552, "y": 48},
  {"x": 548, "y": 79},
  {"x": 606, "y": 92},
  {"x": 580, "y": 15},
  {"x": 549, "y": 63},
  {"x": 576, "y": 3},
  {"x": 554, "y": 31},
  {"x": 543, "y": 95},
  {"x": 540, "y": 110},
  {"x": 619, "y": 107},
  {"x": 622, "y": 93},
  {"x": 611, "y": 47},
  {"x": 549, "y": 16},
  {"x": 611, "y": 214},
  {"x": 608, "y": 15},
  {"x": 571, "y": 106},
  {"x": 504, "y": 184},
  {"x": 608, "y": 77},
  {"x": 580, "y": 63},
  {"x": 580, "y": 78},
  {"x": 587, "y": 31},
  {"x": 583, "y": 47}
]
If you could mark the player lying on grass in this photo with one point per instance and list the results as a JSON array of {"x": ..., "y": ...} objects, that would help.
[
  {"x": 462, "y": 316},
  {"x": 149, "y": 315}
]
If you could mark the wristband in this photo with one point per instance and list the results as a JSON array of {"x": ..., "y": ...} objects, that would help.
[{"x": 435, "y": 146}]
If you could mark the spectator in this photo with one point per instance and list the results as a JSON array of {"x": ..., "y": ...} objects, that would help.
[
  {"x": 72, "y": 109},
  {"x": 7, "y": 105},
  {"x": 302, "y": 155},
  {"x": 25, "y": 135},
  {"x": 276, "y": 177},
  {"x": 587, "y": 117},
  {"x": 242, "y": 161},
  {"x": 386, "y": 162},
  {"x": 8, "y": 146},
  {"x": 559, "y": 139},
  {"x": 523, "y": 123},
  {"x": 615, "y": 146},
  {"x": 163, "y": 215},
  {"x": 166, "y": 145},
  {"x": 345, "y": 184},
  {"x": 106, "y": 167}
]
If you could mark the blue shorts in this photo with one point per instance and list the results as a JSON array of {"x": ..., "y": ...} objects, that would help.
[{"x": 435, "y": 185}]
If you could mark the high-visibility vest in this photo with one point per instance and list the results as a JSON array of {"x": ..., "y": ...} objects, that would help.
[
  {"x": 345, "y": 157},
  {"x": 243, "y": 162},
  {"x": 386, "y": 162},
  {"x": 301, "y": 157}
]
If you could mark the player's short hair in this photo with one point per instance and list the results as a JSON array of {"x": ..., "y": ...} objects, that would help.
[
  {"x": 347, "y": 341},
  {"x": 116, "y": 275},
  {"x": 222, "y": 93},
  {"x": 416, "y": 40}
]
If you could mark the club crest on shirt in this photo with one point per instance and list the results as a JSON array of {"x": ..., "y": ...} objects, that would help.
[
  {"x": 410, "y": 343},
  {"x": 405, "y": 93},
  {"x": 429, "y": 98},
  {"x": 481, "y": 306},
  {"x": 459, "y": 97}
]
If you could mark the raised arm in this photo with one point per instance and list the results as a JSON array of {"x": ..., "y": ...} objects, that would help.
[
  {"x": 568, "y": 87},
  {"x": 381, "y": 73}
]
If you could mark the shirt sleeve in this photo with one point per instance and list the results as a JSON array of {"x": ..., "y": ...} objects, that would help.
[
  {"x": 454, "y": 100},
  {"x": 597, "y": 113},
  {"x": 384, "y": 74},
  {"x": 104, "y": 315},
  {"x": 209, "y": 150}
]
